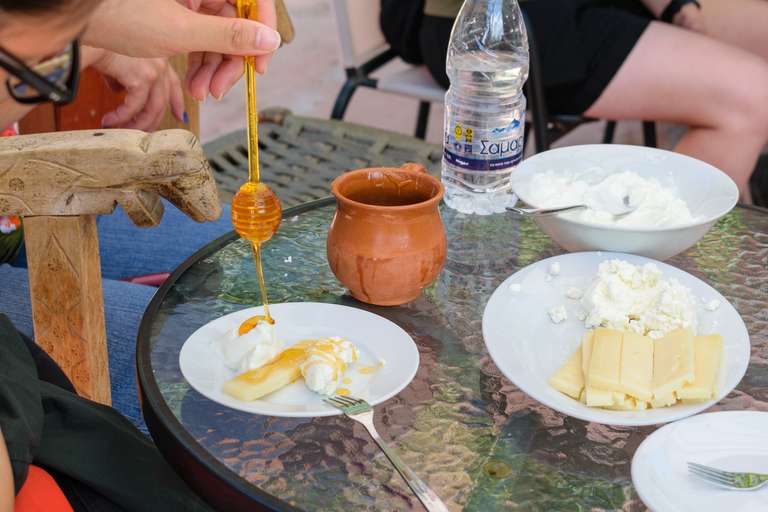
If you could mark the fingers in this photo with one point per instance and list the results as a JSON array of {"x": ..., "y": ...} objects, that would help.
[{"x": 205, "y": 74}]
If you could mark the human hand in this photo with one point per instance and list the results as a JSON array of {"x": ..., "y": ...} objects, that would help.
[
  {"x": 689, "y": 17},
  {"x": 215, "y": 73},
  {"x": 208, "y": 29},
  {"x": 151, "y": 85}
]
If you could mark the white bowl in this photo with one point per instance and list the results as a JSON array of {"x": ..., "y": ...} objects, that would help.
[{"x": 708, "y": 192}]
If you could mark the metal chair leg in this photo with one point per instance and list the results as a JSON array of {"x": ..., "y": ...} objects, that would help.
[
  {"x": 421, "y": 122},
  {"x": 342, "y": 100},
  {"x": 649, "y": 134},
  {"x": 610, "y": 129}
]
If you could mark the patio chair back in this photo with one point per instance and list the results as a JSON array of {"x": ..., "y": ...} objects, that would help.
[{"x": 365, "y": 50}]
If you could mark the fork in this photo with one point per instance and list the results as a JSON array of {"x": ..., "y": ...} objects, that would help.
[
  {"x": 362, "y": 412},
  {"x": 728, "y": 479}
]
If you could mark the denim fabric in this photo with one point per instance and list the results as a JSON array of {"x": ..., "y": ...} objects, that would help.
[{"x": 125, "y": 251}]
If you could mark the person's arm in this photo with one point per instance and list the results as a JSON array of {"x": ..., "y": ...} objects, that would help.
[
  {"x": 208, "y": 30},
  {"x": 151, "y": 85},
  {"x": 7, "y": 490}
]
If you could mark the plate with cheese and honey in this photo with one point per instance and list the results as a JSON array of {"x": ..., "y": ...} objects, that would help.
[
  {"x": 615, "y": 338},
  {"x": 310, "y": 352}
]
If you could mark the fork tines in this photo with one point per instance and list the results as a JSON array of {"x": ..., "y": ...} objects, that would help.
[
  {"x": 344, "y": 401},
  {"x": 713, "y": 475}
]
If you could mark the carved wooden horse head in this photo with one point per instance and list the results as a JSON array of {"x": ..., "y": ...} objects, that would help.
[{"x": 58, "y": 182}]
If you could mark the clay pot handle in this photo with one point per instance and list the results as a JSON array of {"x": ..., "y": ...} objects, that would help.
[{"x": 414, "y": 167}]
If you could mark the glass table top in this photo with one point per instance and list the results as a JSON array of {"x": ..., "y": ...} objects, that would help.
[{"x": 476, "y": 440}]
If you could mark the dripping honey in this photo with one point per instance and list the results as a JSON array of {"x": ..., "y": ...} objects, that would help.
[{"x": 256, "y": 210}]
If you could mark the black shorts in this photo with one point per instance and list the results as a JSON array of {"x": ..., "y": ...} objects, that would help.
[{"x": 581, "y": 45}]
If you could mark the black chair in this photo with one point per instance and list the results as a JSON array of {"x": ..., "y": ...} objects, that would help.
[{"x": 364, "y": 50}]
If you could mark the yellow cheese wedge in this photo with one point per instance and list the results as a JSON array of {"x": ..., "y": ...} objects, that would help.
[
  {"x": 605, "y": 364},
  {"x": 587, "y": 342},
  {"x": 664, "y": 401},
  {"x": 569, "y": 378},
  {"x": 673, "y": 362},
  {"x": 280, "y": 371},
  {"x": 598, "y": 397},
  {"x": 630, "y": 404},
  {"x": 706, "y": 361},
  {"x": 636, "y": 375}
]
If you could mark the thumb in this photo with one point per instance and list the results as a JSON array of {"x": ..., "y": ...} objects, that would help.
[{"x": 229, "y": 36}]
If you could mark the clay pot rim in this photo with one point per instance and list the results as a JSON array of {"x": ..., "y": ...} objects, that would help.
[{"x": 428, "y": 202}]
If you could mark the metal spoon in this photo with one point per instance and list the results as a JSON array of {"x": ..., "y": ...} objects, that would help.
[{"x": 612, "y": 207}]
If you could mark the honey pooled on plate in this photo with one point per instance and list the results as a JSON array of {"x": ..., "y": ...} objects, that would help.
[{"x": 321, "y": 362}]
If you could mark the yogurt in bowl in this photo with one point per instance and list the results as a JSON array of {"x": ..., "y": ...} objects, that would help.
[{"x": 679, "y": 198}]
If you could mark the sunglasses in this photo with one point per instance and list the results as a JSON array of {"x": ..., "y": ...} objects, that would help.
[{"x": 52, "y": 79}]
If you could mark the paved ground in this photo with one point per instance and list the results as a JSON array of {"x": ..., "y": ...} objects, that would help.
[{"x": 306, "y": 75}]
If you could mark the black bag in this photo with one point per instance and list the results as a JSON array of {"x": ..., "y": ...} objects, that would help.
[{"x": 400, "y": 21}]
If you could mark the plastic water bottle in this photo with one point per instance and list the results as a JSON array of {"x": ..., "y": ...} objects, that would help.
[{"x": 487, "y": 65}]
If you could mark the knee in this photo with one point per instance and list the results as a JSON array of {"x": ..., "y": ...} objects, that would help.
[{"x": 748, "y": 105}]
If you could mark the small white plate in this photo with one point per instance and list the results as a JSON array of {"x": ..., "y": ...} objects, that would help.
[
  {"x": 528, "y": 347},
  {"x": 732, "y": 441},
  {"x": 374, "y": 338}
]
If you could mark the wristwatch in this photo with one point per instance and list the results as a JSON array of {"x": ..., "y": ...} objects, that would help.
[{"x": 674, "y": 7}]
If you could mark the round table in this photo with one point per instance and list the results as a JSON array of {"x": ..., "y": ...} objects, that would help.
[{"x": 476, "y": 440}]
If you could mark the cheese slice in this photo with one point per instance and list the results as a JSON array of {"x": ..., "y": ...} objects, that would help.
[
  {"x": 278, "y": 372},
  {"x": 586, "y": 353},
  {"x": 706, "y": 361},
  {"x": 569, "y": 378},
  {"x": 630, "y": 404},
  {"x": 598, "y": 397},
  {"x": 673, "y": 362},
  {"x": 636, "y": 374},
  {"x": 590, "y": 396},
  {"x": 664, "y": 401},
  {"x": 605, "y": 364}
]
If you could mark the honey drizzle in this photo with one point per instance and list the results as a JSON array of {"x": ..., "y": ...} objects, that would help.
[{"x": 248, "y": 9}]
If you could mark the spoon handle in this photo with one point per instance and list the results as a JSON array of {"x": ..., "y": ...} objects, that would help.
[{"x": 544, "y": 212}]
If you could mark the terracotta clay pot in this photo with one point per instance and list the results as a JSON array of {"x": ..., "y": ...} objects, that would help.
[{"x": 387, "y": 241}]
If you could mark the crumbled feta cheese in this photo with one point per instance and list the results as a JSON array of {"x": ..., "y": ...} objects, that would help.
[
  {"x": 582, "y": 315},
  {"x": 554, "y": 269},
  {"x": 515, "y": 287},
  {"x": 558, "y": 314},
  {"x": 628, "y": 297},
  {"x": 574, "y": 293},
  {"x": 712, "y": 305}
]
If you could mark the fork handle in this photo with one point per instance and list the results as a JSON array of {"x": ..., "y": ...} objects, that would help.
[{"x": 428, "y": 498}]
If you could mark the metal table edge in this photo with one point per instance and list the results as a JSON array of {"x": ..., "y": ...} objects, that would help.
[{"x": 196, "y": 467}]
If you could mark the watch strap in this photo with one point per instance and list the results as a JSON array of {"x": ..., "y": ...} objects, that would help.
[{"x": 674, "y": 7}]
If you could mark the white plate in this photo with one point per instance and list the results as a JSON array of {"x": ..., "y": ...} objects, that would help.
[
  {"x": 528, "y": 347},
  {"x": 374, "y": 338},
  {"x": 733, "y": 441}
]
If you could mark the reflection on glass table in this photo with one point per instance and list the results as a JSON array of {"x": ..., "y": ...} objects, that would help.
[{"x": 474, "y": 438}]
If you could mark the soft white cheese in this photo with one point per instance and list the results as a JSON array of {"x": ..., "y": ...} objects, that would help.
[
  {"x": 656, "y": 206},
  {"x": 554, "y": 269},
  {"x": 628, "y": 297},
  {"x": 558, "y": 314},
  {"x": 574, "y": 293},
  {"x": 326, "y": 362},
  {"x": 712, "y": 305},
  {"x": 250, "y": 350}
]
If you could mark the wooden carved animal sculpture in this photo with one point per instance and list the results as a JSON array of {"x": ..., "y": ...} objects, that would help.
[{"x": 58, "y": 182}]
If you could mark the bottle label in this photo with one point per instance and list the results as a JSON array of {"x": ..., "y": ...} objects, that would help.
[{"x": 490, "y": 150}]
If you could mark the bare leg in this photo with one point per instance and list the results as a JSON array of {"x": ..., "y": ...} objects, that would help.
[
  {"x": 720, "y": 91},
  {"x": 741, "y": 23}
]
